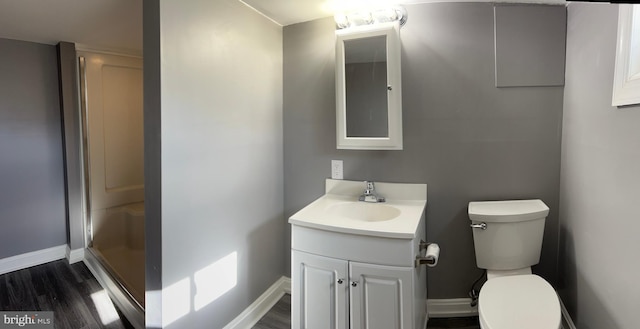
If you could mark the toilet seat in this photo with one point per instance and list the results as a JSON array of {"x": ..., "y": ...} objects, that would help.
[{"x": 519, "y": 301}]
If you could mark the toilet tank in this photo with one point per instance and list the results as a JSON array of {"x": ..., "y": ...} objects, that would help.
[{"x": 512, "y": 238}]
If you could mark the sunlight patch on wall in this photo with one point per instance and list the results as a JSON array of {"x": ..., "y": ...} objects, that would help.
[
  {"x": 153, "y": 313},
  {"x": 215, "y": 280},
  {"x": 105, "y": 308},
  {"x": 209, "y": 283},
  {"x": 176, "y": 301}
]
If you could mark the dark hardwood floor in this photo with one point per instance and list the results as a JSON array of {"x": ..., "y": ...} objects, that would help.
[
  {"x": 70, "y": 291},
  {"x": 79, "y": 302},
  {"x": 458, "y": 323},
  {"x": 279, "y": 317}
]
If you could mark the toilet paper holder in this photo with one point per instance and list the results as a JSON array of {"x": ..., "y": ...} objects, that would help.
[{"x": 429, "y": 260}]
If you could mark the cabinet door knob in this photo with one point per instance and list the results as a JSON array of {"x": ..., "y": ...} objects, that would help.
[
  {"x": 340, "y": 281},
  {"x": 354, "y": 283}
]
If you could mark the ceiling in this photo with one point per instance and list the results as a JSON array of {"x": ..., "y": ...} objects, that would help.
[{"x": 117, "y": 24}]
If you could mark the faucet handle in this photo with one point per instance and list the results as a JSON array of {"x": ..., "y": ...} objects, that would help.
[{"x": 370, "y": 185}]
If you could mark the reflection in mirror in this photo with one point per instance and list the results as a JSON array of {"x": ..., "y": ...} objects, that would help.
[{"x": 366, "y": 87}]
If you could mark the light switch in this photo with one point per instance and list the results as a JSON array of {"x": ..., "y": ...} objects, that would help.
[{"x": 336, "y": 169}]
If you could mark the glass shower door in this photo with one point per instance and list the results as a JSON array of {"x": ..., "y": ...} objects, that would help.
[{"x": 114, "y": 154}]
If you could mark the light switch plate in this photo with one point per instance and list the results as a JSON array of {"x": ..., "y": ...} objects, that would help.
[{"x": 336, "y": 169}]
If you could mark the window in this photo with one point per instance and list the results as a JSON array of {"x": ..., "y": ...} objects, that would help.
[{"x": 626, "y": 82}]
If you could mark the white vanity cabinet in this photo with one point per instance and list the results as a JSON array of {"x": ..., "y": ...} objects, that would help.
[
  {"x": 353, "y": 264},
  {"x": 381, "y": 296},
  {"x": 344, "y": 281},
  {"x": 320, "y": 292}
]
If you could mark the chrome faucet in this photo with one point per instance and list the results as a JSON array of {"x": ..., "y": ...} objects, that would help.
[{"x": 370, "y": 194}]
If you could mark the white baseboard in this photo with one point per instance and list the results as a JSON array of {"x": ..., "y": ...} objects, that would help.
[
  {"x": 33, "y": 258},
  {"x": 451, "y": 308},
  {"x": 286, "y": 284},
  {"x": 252, "y": 314},
  {"x": 75, "y": 255}
]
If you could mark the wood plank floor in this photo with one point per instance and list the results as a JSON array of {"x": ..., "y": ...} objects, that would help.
[
  {"x": 79, "y": 302},
  {"x": 458, "y": 323},
  {"x": 70, "y": 291},
  {"x": 279, "y": 317}
]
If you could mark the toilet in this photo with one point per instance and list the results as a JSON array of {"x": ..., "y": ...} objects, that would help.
[{"x": 508, "y": 238}]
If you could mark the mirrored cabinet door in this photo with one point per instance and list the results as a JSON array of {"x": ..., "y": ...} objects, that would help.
[
  {"x": 369, "y": 113},
  {"x": 365, "y": 80}
]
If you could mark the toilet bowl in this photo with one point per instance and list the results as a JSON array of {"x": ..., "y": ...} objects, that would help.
[
  {"x": 507, "y": 237},
  {"x": 519, "y": 302}
]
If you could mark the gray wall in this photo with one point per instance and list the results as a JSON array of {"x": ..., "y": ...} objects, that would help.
[
  {"x": 462, "y": 136},
  {"x": 32, "y": 201},
  {"x": 529, "y": 42},
  {"x": 600, "y": 185},
  {"x": 220, "y": 147}
]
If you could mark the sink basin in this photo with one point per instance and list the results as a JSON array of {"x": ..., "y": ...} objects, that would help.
[
  {"x": 368, "y": 212},
  {"x": 339, "y": 210}
]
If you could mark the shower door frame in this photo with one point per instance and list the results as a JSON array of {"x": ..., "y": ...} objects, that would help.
[{"x": 120, "y": 295}]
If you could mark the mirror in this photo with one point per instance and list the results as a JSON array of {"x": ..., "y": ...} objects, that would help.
[
  {"x": 368, "y": 93},
  {"x": 365, "y": 70}
]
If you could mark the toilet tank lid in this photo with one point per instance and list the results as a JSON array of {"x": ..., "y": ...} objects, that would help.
[{"x": 507, "y": 211}]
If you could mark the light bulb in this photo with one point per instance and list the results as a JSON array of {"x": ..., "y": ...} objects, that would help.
[{"x": 342, "y": 21}]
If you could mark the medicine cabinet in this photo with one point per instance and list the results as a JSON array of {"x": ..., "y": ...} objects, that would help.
[{"x": 368, "y": 90}]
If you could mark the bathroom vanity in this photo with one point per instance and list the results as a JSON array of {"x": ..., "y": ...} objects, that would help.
[{"x": 354, "y": 263}]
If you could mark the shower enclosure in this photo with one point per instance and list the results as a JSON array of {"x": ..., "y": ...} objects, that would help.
[{"x": 112, "y": 129}]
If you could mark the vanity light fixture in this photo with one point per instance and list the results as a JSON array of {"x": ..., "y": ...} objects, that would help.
[{"x": 346, "y": 19}]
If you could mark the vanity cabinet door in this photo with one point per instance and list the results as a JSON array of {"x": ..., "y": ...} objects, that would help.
[
  {"x": 319, "y": 292},
  {"x": 381, "y": 296}
]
